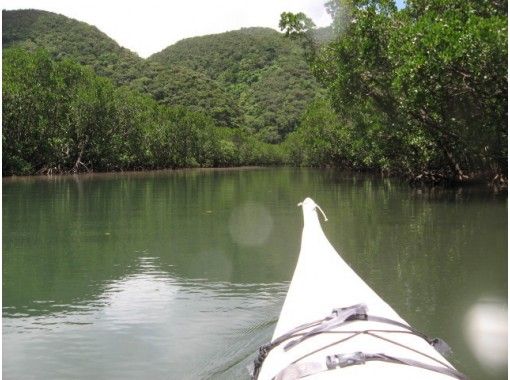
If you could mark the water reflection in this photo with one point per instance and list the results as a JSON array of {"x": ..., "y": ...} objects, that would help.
[
  {"x": 189, "y": 328},
  {"x": 182, "y": 274}
]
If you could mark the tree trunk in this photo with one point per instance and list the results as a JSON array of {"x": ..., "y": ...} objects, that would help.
[{"x": 80, "y": 155}]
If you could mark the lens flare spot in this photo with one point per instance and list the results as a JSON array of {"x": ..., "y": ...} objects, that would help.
[
  {"x": 486, "y": 331},
  {"x": 250, "y": 224}
]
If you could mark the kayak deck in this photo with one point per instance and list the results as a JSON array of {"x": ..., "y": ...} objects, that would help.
[{"x": 322, "y": 281}]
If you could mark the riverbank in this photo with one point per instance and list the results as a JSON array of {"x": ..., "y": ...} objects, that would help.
[
  {"x": 125, "y": 173},
  {"x": 495, "y": 184}
]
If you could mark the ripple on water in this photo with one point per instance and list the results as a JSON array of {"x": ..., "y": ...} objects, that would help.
[{"x": 149, "y": 319}]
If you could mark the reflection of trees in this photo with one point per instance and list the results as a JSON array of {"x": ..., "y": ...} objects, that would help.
[
  {"x": 65, "y": 239},
  {"x": 423, "y": 252},
  {"x": 429, "y": 253},
  {"x": 428, "y": 243}
]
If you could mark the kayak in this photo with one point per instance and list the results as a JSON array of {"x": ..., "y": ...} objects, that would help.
[{"x": 334, "y": 326}]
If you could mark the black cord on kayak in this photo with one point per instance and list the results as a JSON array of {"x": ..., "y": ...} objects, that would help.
[
  {"x": 345, "y": 360},
  {"x": 266, "y": 348},
  {"x": 337, "y": 318}
]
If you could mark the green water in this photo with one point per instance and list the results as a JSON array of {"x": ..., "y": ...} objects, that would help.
[{"x": 181, "y": 275}]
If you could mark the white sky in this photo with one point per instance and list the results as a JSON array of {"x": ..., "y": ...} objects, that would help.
[{"x": 149, "y": 26}]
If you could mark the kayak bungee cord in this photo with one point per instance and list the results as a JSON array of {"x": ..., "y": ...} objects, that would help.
[
  {"x": 342, "y": 316},
  {"x": 440, "y": 345},
  {"x": 336, "y": 315}
]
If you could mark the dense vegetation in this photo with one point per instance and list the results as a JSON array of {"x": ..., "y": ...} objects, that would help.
[
  {"x": 58, "y": 116},
  {"x": 265, "y": 72},
  {"x": 420, "y": 91},
  {"x": 178, "y": 85},
  {"x": 63, "y": 37}
]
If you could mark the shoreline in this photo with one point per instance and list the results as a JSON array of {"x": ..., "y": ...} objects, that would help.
[
  {"x": 112, "y": 174},
  {"x": 477, "y": 179}
]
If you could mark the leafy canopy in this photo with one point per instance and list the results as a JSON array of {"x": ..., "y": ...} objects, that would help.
[{"x": 424, "y": 87}]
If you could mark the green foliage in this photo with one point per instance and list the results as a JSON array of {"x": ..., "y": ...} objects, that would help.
[
  {"x": 420, "y": 91},
  {"x": 262, "y": 82},
  {"x": 274, "y": 104},
  {"x": 63, "y": 37},
  {"x": 223, "y": 75},
  {"x": 293, "y": 24},
  {"x": 58, "y": 116},
  {"x": 321, "y": 139},
  {"x": 181, "y": 86},
  {"x": 450, "y": 80},
  {"x": 232, "y": 57},
  {"x": 423, "y": 88}
]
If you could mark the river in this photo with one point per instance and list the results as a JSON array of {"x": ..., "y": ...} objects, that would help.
[{"x": 181, "y": 274}]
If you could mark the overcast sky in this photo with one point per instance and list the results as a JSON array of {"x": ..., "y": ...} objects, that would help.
[{"x": 149, "y": 26}]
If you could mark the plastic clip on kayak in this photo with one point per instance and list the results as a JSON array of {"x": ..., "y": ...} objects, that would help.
[
  {"x": 338, "y": 317},
  {"x": 441, "y": 346},
  {"x": 345, "y": 360}
]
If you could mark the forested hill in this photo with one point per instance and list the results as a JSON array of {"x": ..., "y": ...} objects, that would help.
[
  {"x": 253, "y": 78},
  {"x": 64, "y": 37},
  {"x": 258, "y": 67},
  {"x": 227, "y": 56}
]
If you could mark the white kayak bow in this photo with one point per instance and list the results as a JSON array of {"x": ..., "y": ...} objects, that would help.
[{"x": 334, "y": 326}]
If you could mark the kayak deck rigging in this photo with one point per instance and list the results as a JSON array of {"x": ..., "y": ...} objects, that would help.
[
  {"x": 379, "y": 343},
  {"x": 342, "y": 316}
]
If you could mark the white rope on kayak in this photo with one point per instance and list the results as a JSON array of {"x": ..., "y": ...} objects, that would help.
[
  {"x": 325, "y": 217},
  {"x": 316, "y": 206}
]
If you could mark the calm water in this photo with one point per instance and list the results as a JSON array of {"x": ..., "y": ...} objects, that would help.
[{"x": 181, "y": 275}]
